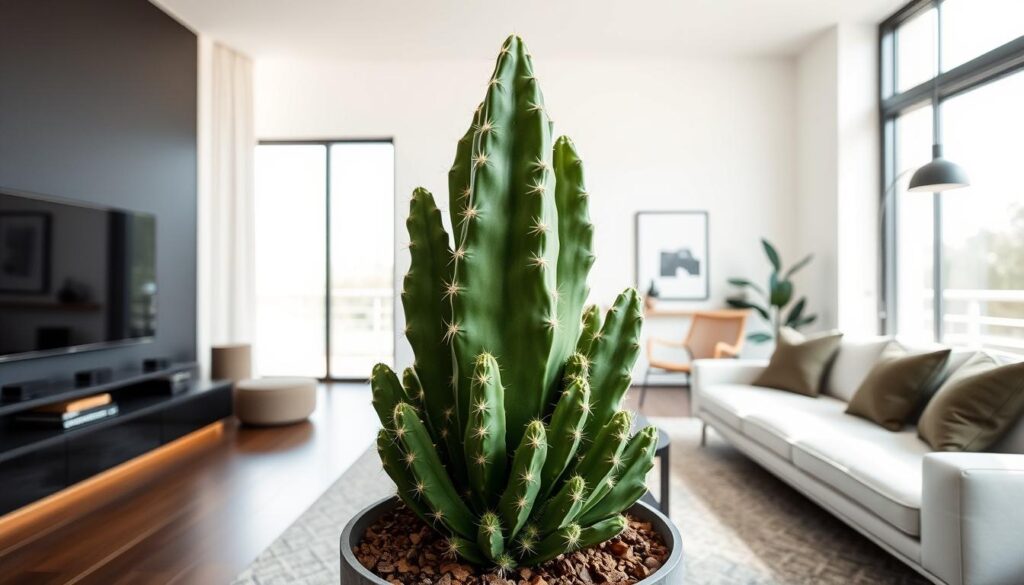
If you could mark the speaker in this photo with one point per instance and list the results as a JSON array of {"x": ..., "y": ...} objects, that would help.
[
  {"x": 94, "y": 377},
  {"x": 27, "y": 389},
  {"x": 155, "y": 364}
]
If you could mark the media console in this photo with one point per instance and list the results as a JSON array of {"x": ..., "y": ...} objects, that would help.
[{"x": 37, "y": 462}]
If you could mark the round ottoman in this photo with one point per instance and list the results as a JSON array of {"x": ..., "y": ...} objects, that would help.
[{"x": 275, "y": 401}]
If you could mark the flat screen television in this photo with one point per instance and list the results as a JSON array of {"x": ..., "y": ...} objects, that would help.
[{"x": 73, "y": 276}]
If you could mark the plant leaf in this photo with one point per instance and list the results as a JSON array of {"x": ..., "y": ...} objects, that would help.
[
  {"x": 773, "y": 255},
  {"x": 805, "y": 321},
  {"x": 792, "y": 270},
  {"x": 743, "y": 304},
  {"x": 760, "y": 337},
  {"x": 781, "y": 291},
  {"x": 742, "y": 282},
  {"x": 796, "y": 312}
]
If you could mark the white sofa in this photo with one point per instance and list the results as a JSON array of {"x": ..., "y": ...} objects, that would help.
[{"x": 957, "y": 518}]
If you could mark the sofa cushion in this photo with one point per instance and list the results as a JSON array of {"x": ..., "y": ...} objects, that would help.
[
  {"x": 777, "y": 424},
  {"x": 799, "y": 363},
  {"x": 979, "y": 404},
  {"x": 852, "y": 363},
  {"x": 876, "y": 468},
  {"x": 771, "y": 417},
  {"x": 896, "y": 386}
]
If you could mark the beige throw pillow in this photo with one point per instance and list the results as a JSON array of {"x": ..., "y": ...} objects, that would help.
[
  {"x": 799, "y": 362},
  {"x": 979, "y": 403},
  {"x": 894, "y": 387}
]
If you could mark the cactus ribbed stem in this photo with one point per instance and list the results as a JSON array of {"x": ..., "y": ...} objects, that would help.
[{"x": 505, "y": 434}]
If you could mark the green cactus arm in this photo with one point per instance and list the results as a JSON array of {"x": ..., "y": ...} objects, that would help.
[
  {"x": 461, "y": 171},
  {"x": 637, "y": 459},
  {"x": 601, "y": 531},
  {"x": 519, "y": 497},
  {"x": 447, "y": 507},
  {"x": 453, "y": 459},
  {"x": 612, "y": 355},
  {"x": 489, "y": 537},
  {"x": 387, "y": 393},
  {"x": 565, "y": 432},
  {"x": 561, "y": 541},
  {"x": 414, "y": 393},
  {"x": 484, "y": 441},
  {"x": 591, "y": 326},
  {"x": 630, "y": 484},
  {"x": 467, "y": 549},
  {"x": 564, "y": 506},
  {"x": 506, "y": 245},
  {"x": 604, "y": 456},
  {"x": 576, "y": 239},
  {"x": 578, "y": 366},
  {"x": 426, "y": 309},
  {"x": 393, "y": 460}
]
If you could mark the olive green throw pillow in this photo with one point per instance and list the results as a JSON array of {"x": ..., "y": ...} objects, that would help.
[
  {"x": 979, "y": 403},
  {"x": 895, "y": 387},
  {"x": 799, "y": 362}
]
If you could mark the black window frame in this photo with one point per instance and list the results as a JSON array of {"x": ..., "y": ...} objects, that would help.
[
  {"x": 326, "y": 143},
  {"x": 986, "y": 68}
]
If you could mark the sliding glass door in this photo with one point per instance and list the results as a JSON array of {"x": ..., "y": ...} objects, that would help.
[{"x": 324, "y": 257}]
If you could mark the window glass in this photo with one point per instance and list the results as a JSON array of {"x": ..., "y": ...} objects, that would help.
[
  {"x": 973, "y": 27},
  {"x": 915, "y": 50},
  {"x": 914, "y": 229},
  {"x": 983, "y": 225},
  {"x": 362, "y": 257},
  {"x": 290, "y": 260}
]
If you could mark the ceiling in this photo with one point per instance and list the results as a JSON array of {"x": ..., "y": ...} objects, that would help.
[{"x": 454, "y": 29}]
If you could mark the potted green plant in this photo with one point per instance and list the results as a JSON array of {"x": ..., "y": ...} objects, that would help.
[
  {"x": 772, "y": 301},
  {"x": 506, "y": 436}
]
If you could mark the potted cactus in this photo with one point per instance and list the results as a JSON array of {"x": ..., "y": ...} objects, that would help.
[{"x": 506, "y": 435}]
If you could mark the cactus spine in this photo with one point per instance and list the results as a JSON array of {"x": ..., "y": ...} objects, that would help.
[{"x": 506, "y": 435}]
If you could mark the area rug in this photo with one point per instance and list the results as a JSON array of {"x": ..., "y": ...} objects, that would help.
[{"x": 740, "y": 525}]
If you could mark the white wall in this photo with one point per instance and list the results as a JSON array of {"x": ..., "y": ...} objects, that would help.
[
  {"x": 837, "y": 128},
  {"x": 708, "y": 134},
  {"x": 817, "y": 105}
]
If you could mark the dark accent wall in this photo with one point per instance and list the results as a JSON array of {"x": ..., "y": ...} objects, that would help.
[{"x": 98, "y": 104}]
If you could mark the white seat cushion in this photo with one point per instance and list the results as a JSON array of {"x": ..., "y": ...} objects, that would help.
[
  {"x": 876, "y": 468},
  {"x": 778, "y": 424}
]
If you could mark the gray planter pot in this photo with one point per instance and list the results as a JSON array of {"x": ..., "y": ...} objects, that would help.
[{"x": 353, "y": 573}]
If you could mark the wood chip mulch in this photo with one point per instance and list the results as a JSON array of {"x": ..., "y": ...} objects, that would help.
[{"x": 402, "y": 550}]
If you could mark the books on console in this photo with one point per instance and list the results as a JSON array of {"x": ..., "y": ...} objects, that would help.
[{"x": 72, "y": 413}]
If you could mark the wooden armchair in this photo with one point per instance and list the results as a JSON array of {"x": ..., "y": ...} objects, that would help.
[{"x": 712, "y": 335}]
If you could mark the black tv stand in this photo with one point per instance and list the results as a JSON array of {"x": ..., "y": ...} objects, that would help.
[{"x": 37, "y": 462}]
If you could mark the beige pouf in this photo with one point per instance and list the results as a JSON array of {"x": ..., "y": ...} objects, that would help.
[{"x": 275, "y": 401}]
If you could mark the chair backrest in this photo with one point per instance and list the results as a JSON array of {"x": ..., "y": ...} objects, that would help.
[{"x": 710, "y": 327}]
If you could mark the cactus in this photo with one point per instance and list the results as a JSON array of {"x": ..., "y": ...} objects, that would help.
[{"x": 506, "y": 435}]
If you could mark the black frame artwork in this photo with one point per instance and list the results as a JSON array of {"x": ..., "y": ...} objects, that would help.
[
  {"x": 675, "y": 256},
  {"x": 40, "y": 283}
]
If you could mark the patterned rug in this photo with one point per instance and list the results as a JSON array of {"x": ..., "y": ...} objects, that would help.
[{"x": 740, "y": 525}]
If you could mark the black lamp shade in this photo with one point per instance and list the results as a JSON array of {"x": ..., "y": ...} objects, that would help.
[{"x": 938, "y": 175}]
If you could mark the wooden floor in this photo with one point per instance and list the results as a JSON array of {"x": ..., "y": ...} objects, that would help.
[{"x": 204, "y": 518}]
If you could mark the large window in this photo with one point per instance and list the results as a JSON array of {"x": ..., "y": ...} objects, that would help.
[
  {"x": 967, "y": 244},
  {"x": 324, "y": 258}
]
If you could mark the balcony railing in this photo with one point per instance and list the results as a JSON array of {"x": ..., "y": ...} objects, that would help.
[{"x": 984, "y": 319}]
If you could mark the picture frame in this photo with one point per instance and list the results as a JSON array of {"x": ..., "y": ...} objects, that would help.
[
  {"x": 672, "y": 254},
  {"x": 24, "y": 252}
]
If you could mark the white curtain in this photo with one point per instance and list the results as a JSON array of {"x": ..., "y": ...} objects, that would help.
[{"x": 226, "y": 220}]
